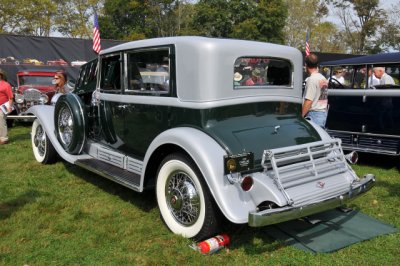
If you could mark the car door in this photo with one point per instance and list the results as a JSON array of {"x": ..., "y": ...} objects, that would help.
[
  {"x": 111, "y": 106},
  {"x": 148, "y": 89},
  {"x": 384, "y": 102},
  {"x": 348, "y": 108}
]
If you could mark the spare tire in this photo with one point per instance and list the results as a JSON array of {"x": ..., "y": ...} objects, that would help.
[{"x": 70, "y": 120}]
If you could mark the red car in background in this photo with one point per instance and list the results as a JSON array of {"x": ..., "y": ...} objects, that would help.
[
  {"x": 33, "y": 87},
  {"x": 59, "y": 62}
]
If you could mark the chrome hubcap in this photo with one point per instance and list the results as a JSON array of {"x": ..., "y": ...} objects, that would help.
[
  {"x": 182, "y": 198},
  {"x": 65, "y": 125},
  {"x": 40, "y": 140}
]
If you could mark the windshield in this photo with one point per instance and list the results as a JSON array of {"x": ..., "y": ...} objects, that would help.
[{"x": 35, "y": 80}]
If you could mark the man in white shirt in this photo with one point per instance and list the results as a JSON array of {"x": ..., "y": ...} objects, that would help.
[
  {"x": 315, "y": 103},
  {"x": 384, "y": 79}
]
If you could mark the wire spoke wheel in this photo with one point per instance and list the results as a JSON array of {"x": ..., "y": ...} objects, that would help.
[
  {"x": 65, "y": 125},
  {"x": 183, "y": 199},
  {"x": 185, "y": 203},
  {"x": 42, "y": 148}
]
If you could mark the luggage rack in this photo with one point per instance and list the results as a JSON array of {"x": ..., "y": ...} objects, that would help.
[{"x": 296, "y": 165}]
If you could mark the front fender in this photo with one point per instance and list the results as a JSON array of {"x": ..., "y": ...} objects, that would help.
[
  {"x": 208, "y": 155},
  {"x": 45, "y": 115}
]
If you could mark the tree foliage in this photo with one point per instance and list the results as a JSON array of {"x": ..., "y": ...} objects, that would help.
[
  {"x": 307, "y": 15},
  {"x": 279, "y": 21},
  {"x": 390, "y": 33},
  {"x": 73, "y": 18},
  {"x": 42, "y": 17},
  {"x": 251, "y": 20},
  {"x": 360, "y": 19}
]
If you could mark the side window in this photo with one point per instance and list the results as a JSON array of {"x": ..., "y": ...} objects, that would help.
[
  {"x": 148, "y": 72},
  {"x": 92, "y": 72},
  {"x": 361, "y": 77},
  {"x": 82, "y": 71},
  {"x": 386, "y": 76},
  {"x": 111, "y": 74},
  {"x": 262, "y": 72}
]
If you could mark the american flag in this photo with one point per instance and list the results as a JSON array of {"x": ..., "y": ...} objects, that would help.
[
  {"x": 307, "y": 45},
  {"x": 96, "y": 35}
]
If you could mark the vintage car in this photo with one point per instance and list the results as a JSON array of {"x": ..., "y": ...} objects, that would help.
[
  {"x": 78, "y": 63},
  {"x": 364, "y": 113},
  {"x": 9, "y": 60},
  {"x": 31, "y": 61},
  {"x": 210, "y": 146},
  {"x": 33, "y": 87},
  {"x": 59, "y": 62}
]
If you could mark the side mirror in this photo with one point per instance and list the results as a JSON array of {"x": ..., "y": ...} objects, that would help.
[{"x": 352, "y": 157}]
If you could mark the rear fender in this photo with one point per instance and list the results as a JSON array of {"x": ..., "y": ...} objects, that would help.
[{"x": 208, "y": 155}]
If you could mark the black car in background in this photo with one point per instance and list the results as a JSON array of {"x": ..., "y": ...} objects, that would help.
[{"x": 362, "y": 112}]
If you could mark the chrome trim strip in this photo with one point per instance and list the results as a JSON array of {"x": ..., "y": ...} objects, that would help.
[
  {"x": 364, "y": 134},
  {"x": 273, "y": 216},
  {"x": 19, "y": 117}
]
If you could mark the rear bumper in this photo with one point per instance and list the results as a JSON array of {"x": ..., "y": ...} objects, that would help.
[{"x": 273, "y": 216}]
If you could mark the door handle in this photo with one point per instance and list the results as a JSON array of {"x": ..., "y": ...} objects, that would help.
[
  {"x": 122, "y": 107},
  {"x": 364, "y": 99}
]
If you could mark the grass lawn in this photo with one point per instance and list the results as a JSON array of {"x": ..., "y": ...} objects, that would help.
[{"x": 60, "y": 214}]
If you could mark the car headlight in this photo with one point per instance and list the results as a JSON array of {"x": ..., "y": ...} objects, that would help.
[
  {"x": 44, "y": 98},
  {"x": 19, "y": 98}
]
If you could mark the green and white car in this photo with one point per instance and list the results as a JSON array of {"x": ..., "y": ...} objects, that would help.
[{"x": 213, "y": 125}]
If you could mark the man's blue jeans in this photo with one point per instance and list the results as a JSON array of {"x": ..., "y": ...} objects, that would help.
[{"x": 318, "y": 118}]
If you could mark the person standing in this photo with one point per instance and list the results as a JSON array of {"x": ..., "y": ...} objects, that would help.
[
  {"x": 60, "y": 83},
  {"x": 382, "y": 77},
  {"x": 315, "y": 102},
  {"x": 6, "y": 99}
]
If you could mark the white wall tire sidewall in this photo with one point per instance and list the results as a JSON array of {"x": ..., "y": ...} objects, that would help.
[
  {"x": 173, "y": 225},
  {"x": 38, "y": 157}
]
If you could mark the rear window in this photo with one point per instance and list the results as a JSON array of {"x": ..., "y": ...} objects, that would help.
[{"x": 262, "y": 72}]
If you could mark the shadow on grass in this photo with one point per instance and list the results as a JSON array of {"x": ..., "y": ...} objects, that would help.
[
  {"x": 145, "y": 200},
  {"x": 252, "y": 240},
  {"x": 379, "y": 160},
  {"x": 9, "y": 207},
  {"x": 385, "y": 162}
]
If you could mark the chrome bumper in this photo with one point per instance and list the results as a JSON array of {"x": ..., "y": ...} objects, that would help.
[{"x": 274, "y": 216}]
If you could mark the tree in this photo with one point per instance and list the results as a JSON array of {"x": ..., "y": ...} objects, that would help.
[
  {"x": 390, "y": 33},
  {"x": 252, "y": 20},
  {"x": 123, "y": 19},
  {"x": 326, "y": 38},
  {"x": 304, "y": 15},
  {"x": 360, "y": 19},
  {"x": 74, "y": 17},
  {"x": 27, "y": 17},
  {"x": 10, "y": 17}
]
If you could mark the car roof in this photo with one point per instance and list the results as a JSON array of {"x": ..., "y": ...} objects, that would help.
[
  {"x": 386, "y": 58},
  {"x": 205, "y": 66}
]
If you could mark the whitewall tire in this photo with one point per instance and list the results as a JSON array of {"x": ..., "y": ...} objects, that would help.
[
  {"x": 184, "y": 200},
  {"x": 42, "y": 147}
]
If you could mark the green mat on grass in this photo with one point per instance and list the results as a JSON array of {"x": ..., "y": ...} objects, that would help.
[{"x": 335, "y": 230}]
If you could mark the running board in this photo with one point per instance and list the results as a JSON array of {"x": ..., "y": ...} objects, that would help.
[{"x": 114, "y": 173}]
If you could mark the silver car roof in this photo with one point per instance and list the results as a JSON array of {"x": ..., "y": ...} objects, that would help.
[{"x": 205, "y": 67}]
